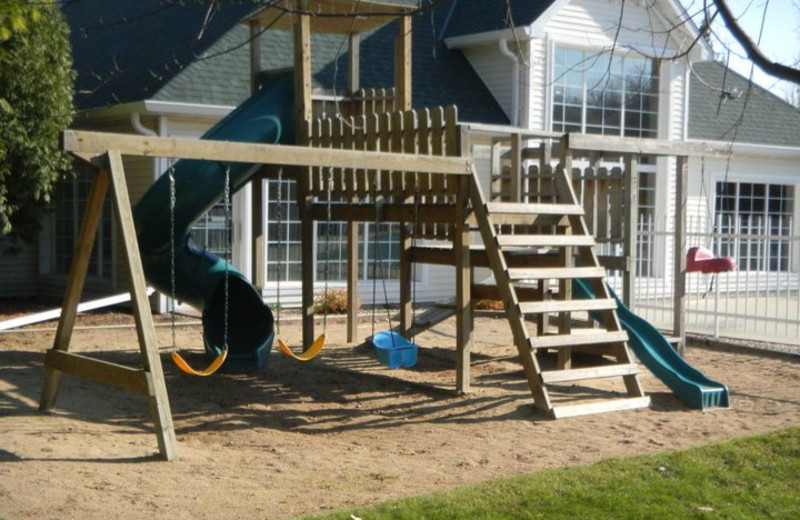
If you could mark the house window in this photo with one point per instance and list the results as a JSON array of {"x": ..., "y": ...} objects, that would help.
[
  {"x": 378, "y": 253},
  {"x": 284, "y": 258},
  {"x": 70, "y": 203},
  {"x": 646, "y": 252},
  {"x": 753, "y": 219},
  {"x": 211, "y": 232},
  {"x": 604, "y": 94}
]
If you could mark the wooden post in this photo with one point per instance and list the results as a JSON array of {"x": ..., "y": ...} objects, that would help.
[
  {"x": 402, "y": 64},
  {"x": 565, "y": 286},
  {"x": 257, "y": 202},
  {"x": 302, "y": 69},
  {"x": 353, "y": 84},
  {"x": 463, "y": 303},
  {"x": 679, "y": 252},
  {"x": 353, "y": 65},
  {"x": 257, "y": 231},
  {"x": 631, "y": 227},
  {"x": 77, "y": 275},
  {"x": 302, "y": 99},
  {"x": 516, "y": 167},
  {"x": 150, "y": 380}
]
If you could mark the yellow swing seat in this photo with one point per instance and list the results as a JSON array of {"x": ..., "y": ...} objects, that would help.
[
  {"x": 309, "y": 354},
  {"x": 211, "y": 369}
]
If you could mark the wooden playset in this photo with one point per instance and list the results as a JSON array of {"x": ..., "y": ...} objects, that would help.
[{"x": 536, "y": 232}]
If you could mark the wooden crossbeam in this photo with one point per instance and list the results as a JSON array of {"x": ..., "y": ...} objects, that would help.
[
  {"x": 209, "y": 150},
  {"x": 107, "y": 373}
]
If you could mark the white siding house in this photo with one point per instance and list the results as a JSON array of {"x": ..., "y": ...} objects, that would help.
[{"x": 557, "y": 68}]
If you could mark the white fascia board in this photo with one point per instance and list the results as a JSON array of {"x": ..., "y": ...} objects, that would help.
[
  {"x": 694, "y": 31},
  {"x": 170, "y": 108},
  {"x": 757, "y": 150},
  {"x": 157, "y": 108},
  {"x": 490, "y": 37}
]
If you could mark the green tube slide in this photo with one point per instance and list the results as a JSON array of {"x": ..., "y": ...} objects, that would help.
[
  {"x": 689, "y": 384},
  {"x": 199, "y": 275}
]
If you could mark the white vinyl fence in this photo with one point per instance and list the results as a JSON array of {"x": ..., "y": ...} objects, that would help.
[{"x": 758, "y": 301}]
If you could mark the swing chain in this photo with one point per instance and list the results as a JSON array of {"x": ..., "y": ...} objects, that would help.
[
  {"x": 326, "y": 269},
  {"x": 228, "y": 252},
  {"x": 279, "y": 196},
  {"x": 172, "y": 203}
]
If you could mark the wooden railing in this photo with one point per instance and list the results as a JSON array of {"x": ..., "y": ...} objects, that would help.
[{"x": 423, "y": 132}]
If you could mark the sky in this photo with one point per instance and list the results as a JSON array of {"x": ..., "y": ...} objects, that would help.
[{"x": 780, "y": 39}]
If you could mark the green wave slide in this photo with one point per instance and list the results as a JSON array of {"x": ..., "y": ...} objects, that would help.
[
  {"x": 199, "y": 275},
  {"x": 689, "y": 384}
]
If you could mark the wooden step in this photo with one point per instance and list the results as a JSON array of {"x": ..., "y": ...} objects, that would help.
[
  {"x": 524, "y": 208},
  {"x": 544, "y": 240},
  {"x": 445, "y": 255},
  {"x": 488, "y": 291},
  {"x": 580, "y": 374},
  {"x": 538, "y": 307},
  {"x": 591, "y": 337},
  {"x": 612, "y": 405},
  {"x": 558, "y": 273}
]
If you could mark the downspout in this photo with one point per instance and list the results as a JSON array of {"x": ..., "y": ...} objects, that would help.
[
  {"x": 136, "y": 122},
  {"x": 508, "y": 53}
]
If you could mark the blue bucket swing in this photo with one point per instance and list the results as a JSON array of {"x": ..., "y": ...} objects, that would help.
[{"x": 392, "y": 349}]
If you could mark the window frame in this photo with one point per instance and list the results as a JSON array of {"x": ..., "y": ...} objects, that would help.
[{"x": 593, "y": 54}]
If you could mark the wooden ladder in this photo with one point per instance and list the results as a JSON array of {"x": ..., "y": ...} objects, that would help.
[{"x": 570, "y": 242}]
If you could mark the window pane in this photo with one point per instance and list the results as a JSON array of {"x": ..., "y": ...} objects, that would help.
[{"x": 609, "y": 89}]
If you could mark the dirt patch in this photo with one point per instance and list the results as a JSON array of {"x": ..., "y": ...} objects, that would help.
[{"x": 337, "y": 432}]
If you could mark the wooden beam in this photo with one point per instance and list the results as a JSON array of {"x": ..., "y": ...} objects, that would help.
[
  {"x": 353, "y": 63},
  {"x": 397, "y": 212},
  {"x": 331, "y": 16},
  {"x": 463, "y": 301},
  {"x": 99, "y": 143},
  {"x": 352, "y": 282},
  {"x": 402, "y": 64},
  {"x": 159, "y": 401},
  {"x": 516, "y": 168},
  {"x": 75, "y": 281},
  {"x": 645, "y": 146},
  {"x": 257, "y": 232},
  {"x": 630, "y": 238},
  {"x": 302, "y": 69},
  {"x": 616, "y": 405},
  {"x": 107, "y": 373}
]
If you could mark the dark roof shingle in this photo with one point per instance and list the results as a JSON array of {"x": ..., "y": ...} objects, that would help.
[
  {"x": 713, "y": 115},
  {"x": 477, "y": 16},
  {"x": 132, "y": 51}
]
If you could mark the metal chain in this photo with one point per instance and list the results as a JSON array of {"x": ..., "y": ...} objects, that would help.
[
  {"x": 414, "y": 264},
  {"x": 172, "y": 200},
  {"x": 228, "y": 251},
  {"x": 326, "y": 269},
  {"x": 279, "y": 196}
]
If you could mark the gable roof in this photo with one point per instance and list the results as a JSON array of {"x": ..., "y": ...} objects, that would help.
[
  {"x": 132, "y": 51},
  {"x": 471, "y": 17},
  {"x": 126, "y": 51},
  {"x": 714, "y": 115}
]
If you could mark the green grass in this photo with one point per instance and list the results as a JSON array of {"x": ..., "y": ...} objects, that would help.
[{"x": 756, "y": 477}]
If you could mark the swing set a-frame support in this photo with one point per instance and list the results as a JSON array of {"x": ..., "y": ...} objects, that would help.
[{"x": 148, "y": 380}]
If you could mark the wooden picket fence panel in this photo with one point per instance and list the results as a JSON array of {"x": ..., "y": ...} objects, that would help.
[{"x": 415, "y": 132}]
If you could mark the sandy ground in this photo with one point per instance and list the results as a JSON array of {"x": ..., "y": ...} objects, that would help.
[{"x": 338, "y": 432}]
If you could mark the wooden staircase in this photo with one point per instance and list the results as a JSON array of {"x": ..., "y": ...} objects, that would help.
[{"x": 528, "y": 233}]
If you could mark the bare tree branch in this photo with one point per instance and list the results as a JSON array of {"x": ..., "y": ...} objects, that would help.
[{"x": 753, "y": 51}]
